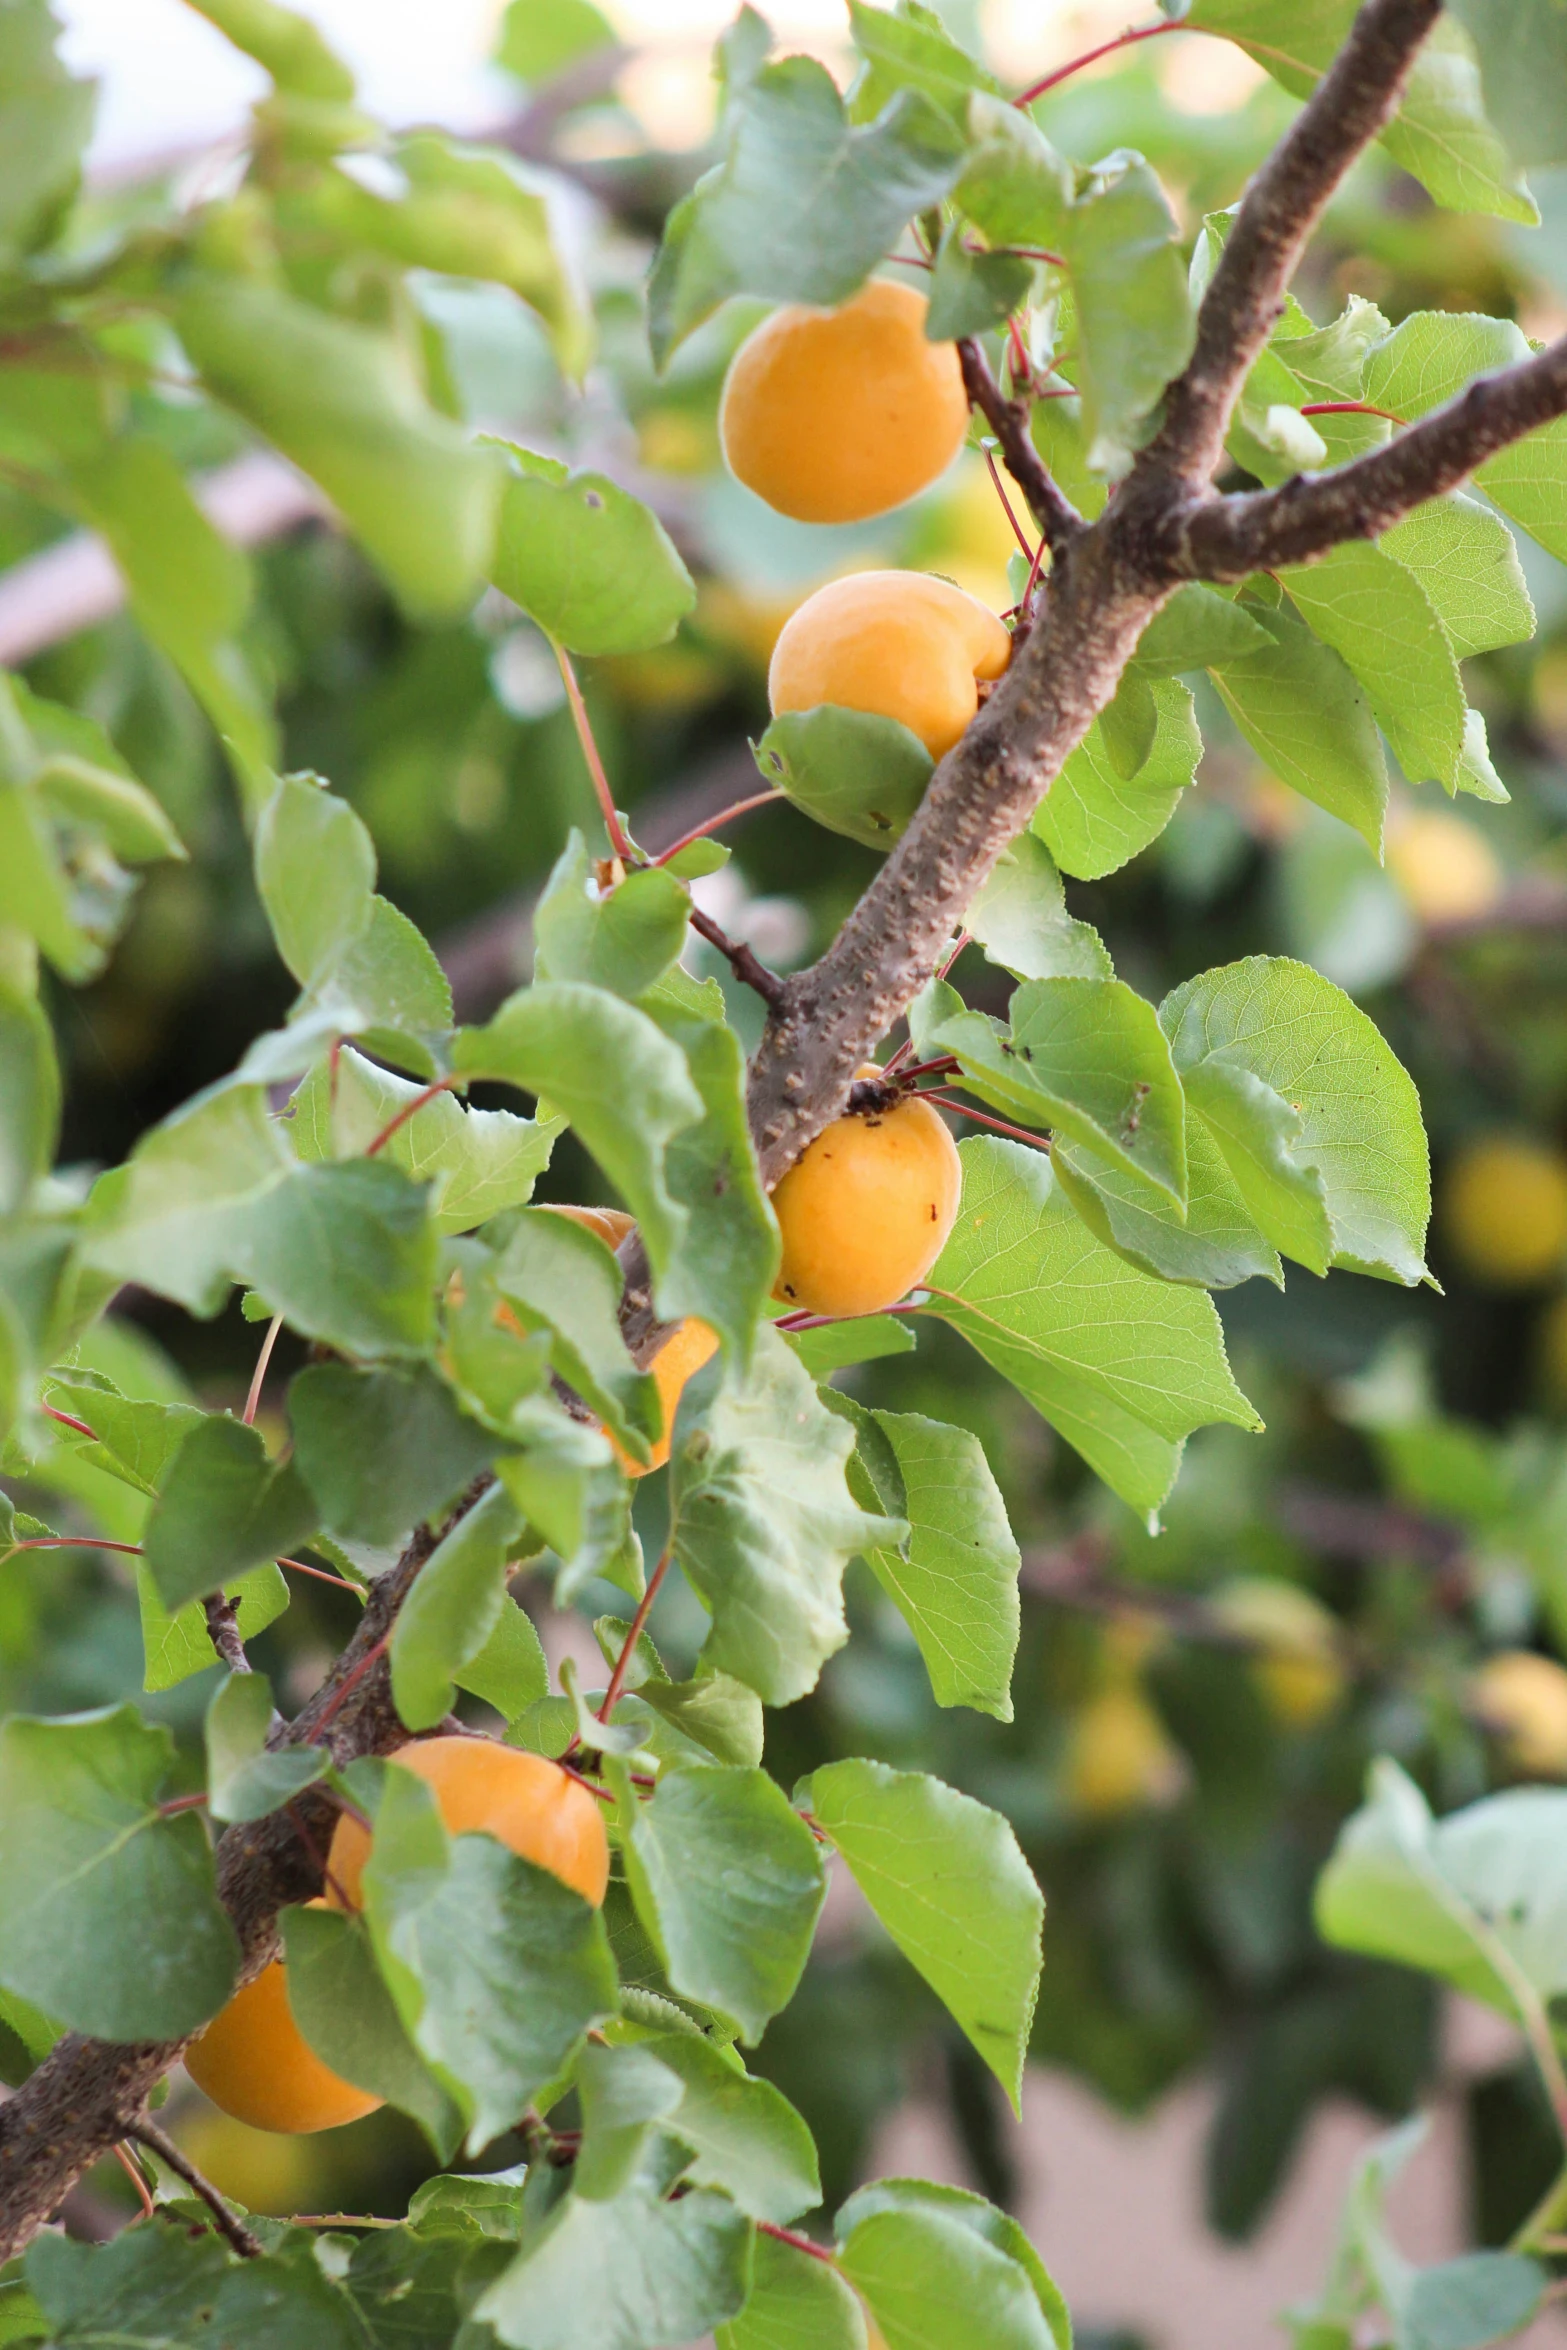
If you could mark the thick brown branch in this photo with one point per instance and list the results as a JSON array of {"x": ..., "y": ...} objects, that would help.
[
  {"x": 1055, "y": 514},
  {"x": 1226, "y": 538},
  {"x": 87, "y": 2093},
  {"x": 1354, "y": 100}
]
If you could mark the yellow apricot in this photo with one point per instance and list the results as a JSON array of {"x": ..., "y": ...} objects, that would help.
[
  {"x": 1523, "y": 1699},
  {"x": 1295, "y": 1643},
  {"x": 901, "y": 644},
  {"x": 521, "y": 1799},
  {"x": 1445, "y": 867},
  {"x": 866, "y": 1210},
  {"x": 835, "y": 415},
  {"x": 254, "y": 2062},
  {"x": 1504, "y": 1208},
  {"x": 1118, "y": 1756},
  {"x": 607, "y": 1224}
]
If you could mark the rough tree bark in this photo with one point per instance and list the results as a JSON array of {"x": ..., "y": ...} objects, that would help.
[{"x": 1106, "y": 582}]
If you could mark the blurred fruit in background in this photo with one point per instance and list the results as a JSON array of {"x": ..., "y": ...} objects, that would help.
[
  {"x": 1503, "y": 1210},
  {"x": 1521, "y": 1699}
]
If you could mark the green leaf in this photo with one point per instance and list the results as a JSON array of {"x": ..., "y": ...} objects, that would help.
[
  {"x": 176, "y": 1646},
  {"x": 1478, "y": 1898},
  {"x": 955, "y": 1581},
  {"x": 933, "y": 2284},
  {"x": 1217, "y": 1245},
  {"x": 1085, "y": 1057},
  {"x": 909, "y": 48},
  {"x": 1465, "y": 2303},
  {"x": 558, "y": 1278},
  {"x": 623, "y": 2275},
  {"x": 244, "y": 1781},
  {"x": 625, "y": 1088},
  {"x": 1440, "y": 132},
  {"x": 1129, "y": 724},
  {"x": 1257, "y": 1133},
  {"x": 29, "y": 1097},
  {"x": 1092, "y": 820},
  {"x": 1466, "y": 560},
  {"x": 541, "y": 38},
  {"x": 624, "y": 2092},
  {"x": 135, "y": 2289},
  {"x": 744, "y": 2134},
  {"x": 947, "y": 1879},
  {"x": 763, "y": 1522},
  {"x": 1303, "y": 713},
  {"x": 803, "y": 205},
  {"x": 213, "y": 1196},
  {"x": 726, "y": 1261},
  {"x": 1198, "y": 629},
  {"x": 1021, "y": 921},
  {"x": 727, "y": 1883},
  {"x": 500, "y": 1967},
  {"x": 83, "y": 777},
  {"x": 452, "y": 1610},
  {"x": 46, "y": 118},
  {"x": 189, "y": 587},
  {"x": 286, "y": 44},
  {"x": 315, "y": 871},
  {"x": 997, "y": 2228},
  {"x": 470, "y": 212},
  {"x": 795, "y": 2303},
  {"x": 110, "y": 1919},
  {"x": 1122, "y": 1365},
  {"x": 1134, "y": 315},
  {"x": 224, "y": 1508},
  {"x": 341, "y": 2004},
  {"x": 381, "y": 1450},
  {"x": 509, "y": 1671},
  {"x": 1522, "y": 48},
  {"x": 590, "y": 563},
  {"x": 853, "y": 772},
  {"x": 842, "y": 1343},
  {"x": 343, "y": 402},
  {"x": 476, "y": 1162},
  {"x": 26, "y": 2037},
  {"x": 622, "y": 941},
  {"x": 1360, "y": 1116},
  {"x": 972, "y": 292},
  {"x": 1382, "y": 624}
]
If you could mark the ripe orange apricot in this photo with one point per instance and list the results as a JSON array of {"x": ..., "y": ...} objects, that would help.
[
  {"x": 834, "y": 415},
  {"x": 679, "y": 1358},
  {"x": 901, "y": 644},
  {"x": 520, "y": 1799},
  {"x": 254, "y": 2062},
  {"x": 865, "y": 1212},
  {"x": 607, "y": 1224}
]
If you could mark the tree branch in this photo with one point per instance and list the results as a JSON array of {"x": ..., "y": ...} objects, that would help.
[
  {"x": 1354, "y": 100},
  {"x": 87, "y": 2093},
  {"x": 1055, "y": 514},
  {"x": 147, "y": 2133},
  {"x": 223, "y": 1631},
  {"x": 1226, "y": 538}
]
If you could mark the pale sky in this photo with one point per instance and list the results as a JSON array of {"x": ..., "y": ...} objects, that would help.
[{"x": 169, "y": 81}]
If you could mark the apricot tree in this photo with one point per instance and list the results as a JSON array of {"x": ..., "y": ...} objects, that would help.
[{"x": 1213, "y": 484}]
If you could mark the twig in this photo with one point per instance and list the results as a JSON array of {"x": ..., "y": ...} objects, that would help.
[
  {"x": 223, "y": 1630},
  {"x": 590, "y": 752},
  {"x": 1040, "y": 1142},
  {"x": 258, "y": 1376},
  {"x": 1006, "y": 503},
  {"x": 761, "y": 799},
  {"x": 147, "y": 2133},
  {"x": 1055, "y": 514},
  {"x": 349, "y": 1684},
  {"x": 742, "y": 962},
  {"x": 617, "y": 1678},
  {"x": 583, "y": 1780},
  {"x": 320, "y": 1575},
  {"x": 178, "y": 1803},
  {"x": 800, "y": 2243},
  {"x": 76, "y": 1542},
  {"x": 1149, "y": 32}
]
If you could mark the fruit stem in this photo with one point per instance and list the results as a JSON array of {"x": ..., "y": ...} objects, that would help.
[
  {"x": 617, "y": 1679},
  {"x": 807, "y": 1321},
  {"x": 939, "y": 1068},
  {"x": 944, "y": 1101},
  {"x": 591, "y": 1785},
  {"x": 253, "y": 1399},
  {"x": 761, "y": 799},
  {"x": 618, "y": 842},
  {"x": 409, "y": 1110},
  {"x": 1147, "y": 32}
]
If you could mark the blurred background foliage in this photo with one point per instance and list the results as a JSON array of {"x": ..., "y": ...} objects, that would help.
[{"x": 1195, "y": 1711}]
